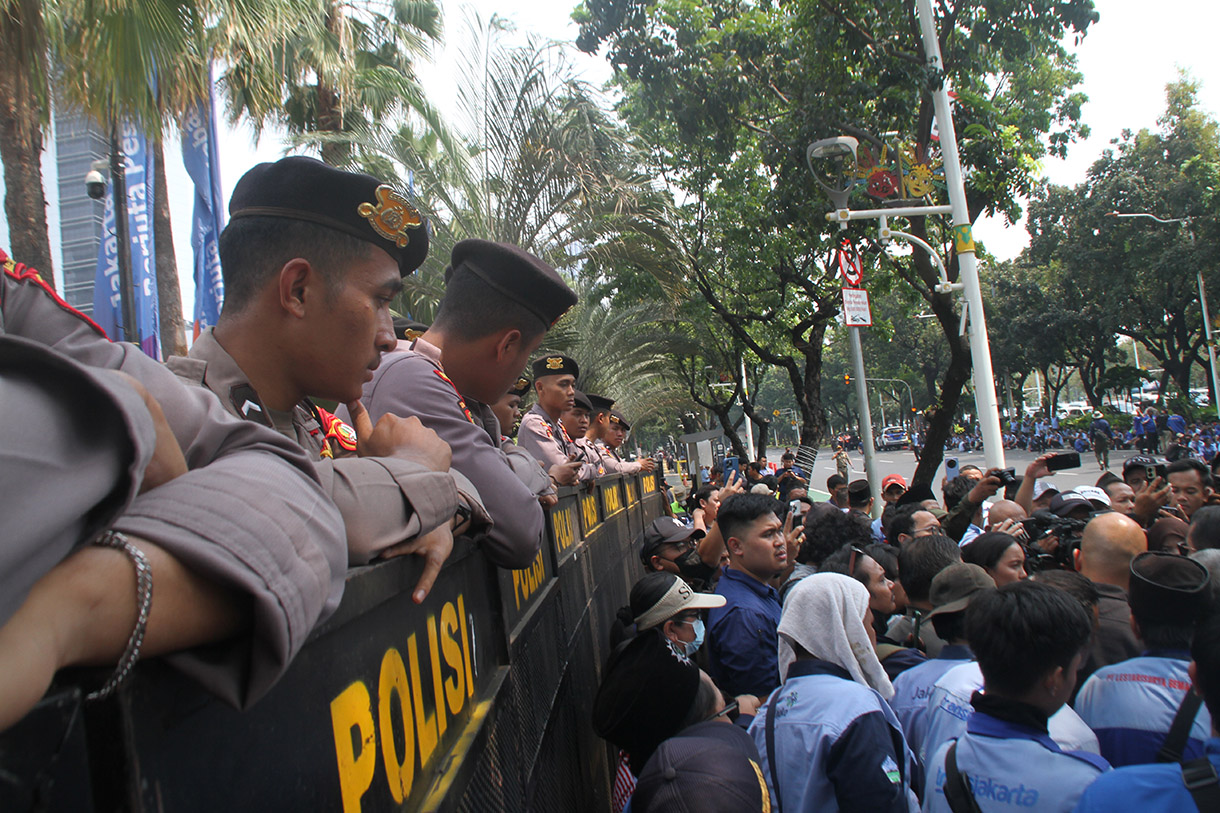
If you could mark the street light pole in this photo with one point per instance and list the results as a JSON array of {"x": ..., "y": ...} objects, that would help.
[
  {"x": 866, "y": 418},
  {"x": 980, "y": 352},
  {"x": 1207, "y": 322},
  {"x": 127, "y": 299}
]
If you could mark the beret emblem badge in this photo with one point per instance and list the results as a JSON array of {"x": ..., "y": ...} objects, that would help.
[{"x": 392, "y": 217}]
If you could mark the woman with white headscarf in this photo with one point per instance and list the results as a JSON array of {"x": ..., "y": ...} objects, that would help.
[{"x": 828, "y": 739}]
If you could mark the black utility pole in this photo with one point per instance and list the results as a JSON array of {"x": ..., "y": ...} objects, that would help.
[{"x": 127, "y": 300}]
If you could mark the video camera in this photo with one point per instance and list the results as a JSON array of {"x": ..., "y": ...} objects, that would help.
[{"x": 1042, "y": 524}]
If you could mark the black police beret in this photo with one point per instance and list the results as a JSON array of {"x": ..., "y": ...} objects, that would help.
[
  {"x": 555, "y": 364},
  {"x": 582, "y": 402},
  {"x": 521, "y": 387},
  {"x": 616, "y": 417},
  {"x": 515, "y": 274},
  {"x": 300, "y": 188},
  {"x": 600, "y": 403}
]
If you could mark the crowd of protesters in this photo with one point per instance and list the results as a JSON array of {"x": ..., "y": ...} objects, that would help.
[{"x": 1002, "y": 644}]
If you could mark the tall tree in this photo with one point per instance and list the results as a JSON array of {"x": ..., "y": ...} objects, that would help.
[
  {"x": 24, "y": 111},
  {"x": 325, "y": 67},
  {"x": 708, "y": 82}
]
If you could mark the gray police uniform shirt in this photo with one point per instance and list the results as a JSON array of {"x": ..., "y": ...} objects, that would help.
[
  {"x": 383, "y": 500},
  {"x": 527, "y": 468},
  {"x": 616, "y": 464},
  {"x": 588, "y": 453},
  {"x": 250, "y": 514},
  {"x": 411, "y": 381},
  {"x": 549, "y": 442}
]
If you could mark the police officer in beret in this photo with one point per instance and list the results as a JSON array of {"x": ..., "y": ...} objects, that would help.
[
  {"x": 508, "y": 413},
  {"x": 598, "y": 426},
  {"x": 499, "y": 303},
  {"x": 614, "y": 438},
  {"x": 576, "y": 422},
  {"x": 542, "y": 433},
  {"x": 312, "y": 257}
]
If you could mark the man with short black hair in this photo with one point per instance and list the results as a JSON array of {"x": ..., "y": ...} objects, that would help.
[
  {"x": 912, "y": 521},
  {"x": 1190, "y": 485},
  {"x": 836, "y": 486},
  {"x": 310, "y": 268},
  {"x": 499, "y": 303},
  {"x": 1029, "y": 640},
  {"x": 1131, "y": 705},
  {"x": 918, "y": 563},
  {"x": 1172, "y": 788},
  {"x": 743, "y": 633}
]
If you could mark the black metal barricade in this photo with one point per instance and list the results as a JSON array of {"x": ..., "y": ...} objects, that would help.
[{"x": 477, "y": 700}]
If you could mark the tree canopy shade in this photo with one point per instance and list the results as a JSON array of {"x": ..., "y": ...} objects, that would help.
[
  {"x": 726, "y": 96},
  {"x": 1134, "y": 276}
]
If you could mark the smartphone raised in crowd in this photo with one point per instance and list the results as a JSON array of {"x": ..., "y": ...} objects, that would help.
[
  {"x": 1063, "y": 460},
  {"x": 950, "y": 468},
  {"x": 731, "y": 464}
]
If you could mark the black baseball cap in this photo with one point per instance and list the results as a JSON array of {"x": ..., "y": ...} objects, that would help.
[
  {"x": 710, "y": 767},
  {"x": 663, "y": 530}
]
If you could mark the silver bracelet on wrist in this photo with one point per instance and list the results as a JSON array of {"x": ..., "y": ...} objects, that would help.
[{"x": 131, "y": 654}]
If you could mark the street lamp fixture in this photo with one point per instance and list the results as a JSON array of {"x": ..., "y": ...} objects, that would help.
[
  {"x": 1207, "y": 322},
  {"x": 834, "y": 164}
]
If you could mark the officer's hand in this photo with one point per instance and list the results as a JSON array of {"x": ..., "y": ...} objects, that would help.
[
  {"x": 647, "y": 464},
  {"x": 548, "y": 501},
  {"x": 398, "y": 437},
  {"x": 565, "y": 474},
  {"x": 435, "y": 547},
  {"x": 167, "y": 461}
]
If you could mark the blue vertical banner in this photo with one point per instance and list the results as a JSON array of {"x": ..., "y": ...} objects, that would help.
[
  {"x": 202, "y": 160},
  {"x": 107, "y": 308}
]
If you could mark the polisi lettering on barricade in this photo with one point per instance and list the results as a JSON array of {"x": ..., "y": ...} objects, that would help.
[
  {"x": 633, "y": 494},
  {"x": 563, "y": 528},
  {"x": 526, "y": 582},
  {"x": 588, "y": 512},
  {"x": 613, "y": 499},
  {"x": 415, "y": 701}
]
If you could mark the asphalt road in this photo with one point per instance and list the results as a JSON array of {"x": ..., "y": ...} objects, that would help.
[{"x": 903, "y": 462}]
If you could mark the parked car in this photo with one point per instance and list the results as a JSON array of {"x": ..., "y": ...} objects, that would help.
[{"x": 893, "y": 437}]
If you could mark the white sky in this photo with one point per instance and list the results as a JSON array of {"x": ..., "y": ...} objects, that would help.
[{"x": 1127, "y": 59}]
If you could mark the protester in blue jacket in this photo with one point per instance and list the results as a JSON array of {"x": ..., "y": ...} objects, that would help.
[
  {"x": 827, "y": 736},
  {"x": 1163, "y": 788},
  {"x": 1131, "y": 704},
  {"x": 1029, "y": 639}
]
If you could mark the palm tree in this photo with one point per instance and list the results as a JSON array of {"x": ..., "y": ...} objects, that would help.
[
  {"x": 24, "y": 111},
  {"x": 324, "y": 66}
]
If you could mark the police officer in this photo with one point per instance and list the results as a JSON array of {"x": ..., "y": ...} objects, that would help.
[
  {"x": 508, "y": 414},
  {"x": 542, "y": 433},
  {"x": 312, "y": 257},
  {"x": 614, "y": 439},
  {"x": 499, "y": 303},
  {"x": 576, "y": 422}
]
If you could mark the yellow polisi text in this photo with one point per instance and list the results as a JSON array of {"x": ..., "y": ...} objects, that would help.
[
  {"x": 414, "y": 703},
  {"x": 526, "y": 582}
]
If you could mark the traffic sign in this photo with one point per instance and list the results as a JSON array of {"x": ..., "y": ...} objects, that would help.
[{"x": 856, "y": 312}]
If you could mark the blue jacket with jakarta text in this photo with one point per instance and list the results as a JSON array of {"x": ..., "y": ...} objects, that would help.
[
  {"x": 1010, "y": 766},
  {"x": 913, "y": 687},
  {"x": 1130, "y": 706},
  {"x": 742, "y": 639},
  {"x": 838, "y": 746},
  {"x": 1146, "y": 788}
]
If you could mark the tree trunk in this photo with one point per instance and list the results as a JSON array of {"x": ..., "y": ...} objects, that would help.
[
  {"x": 25, "y": 203},
  {"x": 169, "y": 295}
]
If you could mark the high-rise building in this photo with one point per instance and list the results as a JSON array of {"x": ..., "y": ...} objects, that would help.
[{"x": 78, "y": 143}]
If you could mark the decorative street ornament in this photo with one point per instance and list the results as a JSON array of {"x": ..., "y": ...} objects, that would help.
[
  {"x": 897, "y": 172},
  {"x": 850, "y": 267}
]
